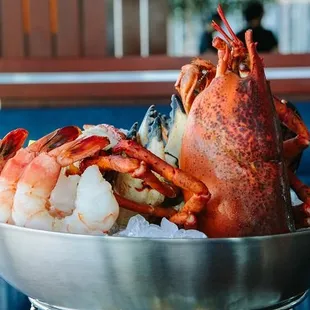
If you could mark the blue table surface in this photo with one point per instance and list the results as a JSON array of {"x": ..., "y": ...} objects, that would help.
[{"x": 42, "y": 121}]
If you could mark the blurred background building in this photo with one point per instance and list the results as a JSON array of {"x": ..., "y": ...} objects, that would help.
[
  {"x": 184, "y": 21},
  {"x": 137, "y": 27},
  {"x": 288, "y": 19}
]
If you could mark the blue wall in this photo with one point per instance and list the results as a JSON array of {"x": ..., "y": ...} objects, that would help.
[{"x": 42, "y": 121}]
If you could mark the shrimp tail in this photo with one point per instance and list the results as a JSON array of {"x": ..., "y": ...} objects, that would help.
[
  {"x": 79, "y": 149},
  {"x": 12, "y": 142},
  {"x": 55, "y": 139}
]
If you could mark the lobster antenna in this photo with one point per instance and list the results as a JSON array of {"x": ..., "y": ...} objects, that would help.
[
  {"x": 218, "y": 28},
  {"x": 225, "y": 21}
]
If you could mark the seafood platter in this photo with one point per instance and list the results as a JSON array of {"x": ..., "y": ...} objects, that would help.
[{"x": 201, "y": 209}]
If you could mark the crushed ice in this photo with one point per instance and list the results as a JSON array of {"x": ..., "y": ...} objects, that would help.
[
  {"x": 295, "y": 200},
  {"x": 138, "y": 226}
]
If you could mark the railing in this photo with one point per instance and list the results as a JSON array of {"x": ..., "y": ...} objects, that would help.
[{"x": 126, "y": 79}]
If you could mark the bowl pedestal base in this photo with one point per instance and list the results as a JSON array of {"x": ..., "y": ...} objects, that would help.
[{"x": 284, "y": 305}]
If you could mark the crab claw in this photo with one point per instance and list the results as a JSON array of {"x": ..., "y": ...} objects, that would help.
[
  {"x": 164, "y": 127},
  {"x": 155, "y": 139},
  {"x": 133, "y": 131},
  {"x": 135, "y": 187},
  {"x": 147, "y": 121},
  {"x": 152, "y": 131},
  {"x": 177, "y": 123}
]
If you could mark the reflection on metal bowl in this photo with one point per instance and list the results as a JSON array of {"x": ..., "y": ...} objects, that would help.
[{"x": 93, "y": 272}]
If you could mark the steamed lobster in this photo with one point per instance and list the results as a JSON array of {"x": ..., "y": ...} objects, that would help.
[
  {"x": 234, "y": 169},
  {"x": 232, "y": 142}
]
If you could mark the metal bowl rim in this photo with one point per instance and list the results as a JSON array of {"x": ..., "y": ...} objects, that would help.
[{"x": 297, "y": 233}]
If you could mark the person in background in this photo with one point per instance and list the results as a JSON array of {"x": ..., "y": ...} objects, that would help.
[
  {"x": 205, "y": 45},
  {"x": 253, "y": 14}
]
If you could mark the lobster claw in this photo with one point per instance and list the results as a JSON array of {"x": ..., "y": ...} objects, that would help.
[{"x": 193, "y": 79}]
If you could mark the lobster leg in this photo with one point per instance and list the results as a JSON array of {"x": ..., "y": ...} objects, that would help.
[
  {"x": 292, "y": 147},
  {"x": 301, "y": 212},
  {"x": 200, "y": 196}
]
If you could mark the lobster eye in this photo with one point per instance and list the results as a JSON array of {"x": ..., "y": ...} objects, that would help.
[
  {"x": 244, "y": 70},
  {"x": 201, "y": 82}
]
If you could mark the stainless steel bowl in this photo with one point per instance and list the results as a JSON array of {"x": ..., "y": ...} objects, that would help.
[{"x": 92, "y": 272}]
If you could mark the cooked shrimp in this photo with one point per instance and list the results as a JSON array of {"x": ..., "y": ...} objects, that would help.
[
  {"x": 15, "y": 166},
  {"x": 31, "y": 207},
  {"x": 10, "y": 144}
]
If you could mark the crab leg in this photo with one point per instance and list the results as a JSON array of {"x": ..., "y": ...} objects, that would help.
[
  {"x": 130, "y": 165},
  {"x": 292, "y": 121},
  {"x": 175, "y": 175},
  {"x": 144, "y": 208},
  {"x": 200, "y": 193}
]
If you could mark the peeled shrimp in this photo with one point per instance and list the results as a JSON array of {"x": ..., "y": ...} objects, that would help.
[
  {"x": 15, "y": 166},
  {"x": 62, "y": 199},
  {"x": 96, "y": 208}
]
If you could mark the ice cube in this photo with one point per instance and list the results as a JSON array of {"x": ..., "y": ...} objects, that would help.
[
  {"x": 135, "y": 227},
  {"x": 154, "y": 231},
  {"x": 138, "y": 226},
  {"x": 189, "y": 234},
  {"x": 295, "y": 200},
  {"x": 168, "y": 227},
  {"x": 180, "y": 234},
  {"x": 194, "y": 234}
]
